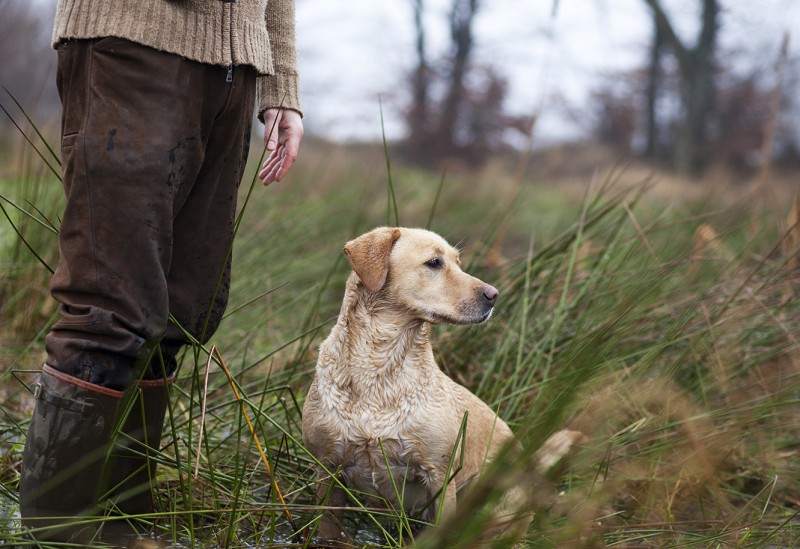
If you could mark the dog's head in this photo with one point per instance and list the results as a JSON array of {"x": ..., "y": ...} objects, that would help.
[{"x": 419, "y": 273}]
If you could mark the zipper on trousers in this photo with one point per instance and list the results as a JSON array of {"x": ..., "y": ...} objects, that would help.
[{"x": 229, "y": 76}]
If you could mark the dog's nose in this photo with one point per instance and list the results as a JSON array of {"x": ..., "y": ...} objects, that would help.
[{"x": 490, "y": 293}]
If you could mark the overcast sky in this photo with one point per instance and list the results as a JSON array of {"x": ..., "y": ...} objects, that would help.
[{"x": 353, "y": 52}]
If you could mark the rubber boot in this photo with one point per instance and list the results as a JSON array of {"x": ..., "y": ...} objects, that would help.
[
  {"x": 65, "y": 451},
  {"x": 132, "y": 463}
]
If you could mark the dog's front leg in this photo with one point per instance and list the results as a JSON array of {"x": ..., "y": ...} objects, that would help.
[
  {"x": 449, "y": 505},
  {"x": 330, "y": 525},
  {"x": 446, "y": 501}
]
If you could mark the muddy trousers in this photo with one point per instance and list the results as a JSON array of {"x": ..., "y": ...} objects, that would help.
[{"x": 153, "y": 150}]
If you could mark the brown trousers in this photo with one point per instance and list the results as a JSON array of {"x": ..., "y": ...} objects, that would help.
[{"x": 153, "y": 150}]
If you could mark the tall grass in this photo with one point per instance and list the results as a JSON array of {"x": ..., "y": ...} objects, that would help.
[{"x": 668, "y": 336}]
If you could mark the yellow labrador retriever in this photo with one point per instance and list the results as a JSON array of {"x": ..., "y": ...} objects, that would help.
[{"x": 379, "y": 410}]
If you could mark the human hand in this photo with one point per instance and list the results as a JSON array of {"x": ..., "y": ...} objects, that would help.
[{"x": 283, "y": 130}]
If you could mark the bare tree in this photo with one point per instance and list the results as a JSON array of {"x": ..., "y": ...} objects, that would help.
[
  {"x": 456, "y": 105},
  {"x": 696, "y": 68}
]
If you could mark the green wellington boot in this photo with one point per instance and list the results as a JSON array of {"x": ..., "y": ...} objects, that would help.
[
  {"x": 132, "y": 465},
  {"x": 62, "y": 463}
]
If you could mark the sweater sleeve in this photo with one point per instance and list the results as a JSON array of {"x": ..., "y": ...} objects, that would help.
[{"x": 281, "y": 89}]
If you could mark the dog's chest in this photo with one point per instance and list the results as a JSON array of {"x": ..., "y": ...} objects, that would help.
[
  {"x": 388, "y": 438},
  {"x": 379, "y": 409},
  {"x": 405, "y": 406}
]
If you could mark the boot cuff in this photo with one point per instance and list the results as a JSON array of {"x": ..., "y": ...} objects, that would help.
[
  {"x": 153, "y": 383},
  {"x": 72, "y": 380}
]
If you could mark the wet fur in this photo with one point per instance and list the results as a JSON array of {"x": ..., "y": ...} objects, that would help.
[{"x": 378, "y": 394}]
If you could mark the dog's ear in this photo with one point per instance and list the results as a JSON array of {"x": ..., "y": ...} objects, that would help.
[{"x": 369, "y": 256}]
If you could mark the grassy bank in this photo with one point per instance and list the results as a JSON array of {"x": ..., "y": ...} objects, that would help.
[{"x": 662, "y": 327}]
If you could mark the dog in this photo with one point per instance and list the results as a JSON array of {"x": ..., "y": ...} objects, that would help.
[{"x": 380, "y": 413}]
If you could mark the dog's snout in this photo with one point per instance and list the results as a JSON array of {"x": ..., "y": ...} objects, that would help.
[{"x": 490, "y": 293}]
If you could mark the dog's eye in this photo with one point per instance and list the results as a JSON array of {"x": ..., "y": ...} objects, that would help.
[{"x": 435, "y": 263}]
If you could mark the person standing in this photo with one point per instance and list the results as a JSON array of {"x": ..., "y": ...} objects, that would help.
[{"x": 158, "y": 99}]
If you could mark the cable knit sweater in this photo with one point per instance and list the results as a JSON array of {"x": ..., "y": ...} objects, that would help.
[{"x": 217, "y": 32}]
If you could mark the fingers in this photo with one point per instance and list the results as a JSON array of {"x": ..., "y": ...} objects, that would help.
[
  {"x": 277, "y": 165},
  {"x": 272, "y": 167},
  {"x": 283, "y": 131}
]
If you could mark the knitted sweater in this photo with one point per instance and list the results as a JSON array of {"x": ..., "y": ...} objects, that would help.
[{"x": 216, "y": 32}]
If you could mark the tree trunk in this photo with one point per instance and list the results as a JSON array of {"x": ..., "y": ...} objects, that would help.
[
  {"x": 462, "y": 17},
  {"x": 696, "y": 67},
  {"x": 653, "y": 89},
  {"x": 698, "y": 86}
]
